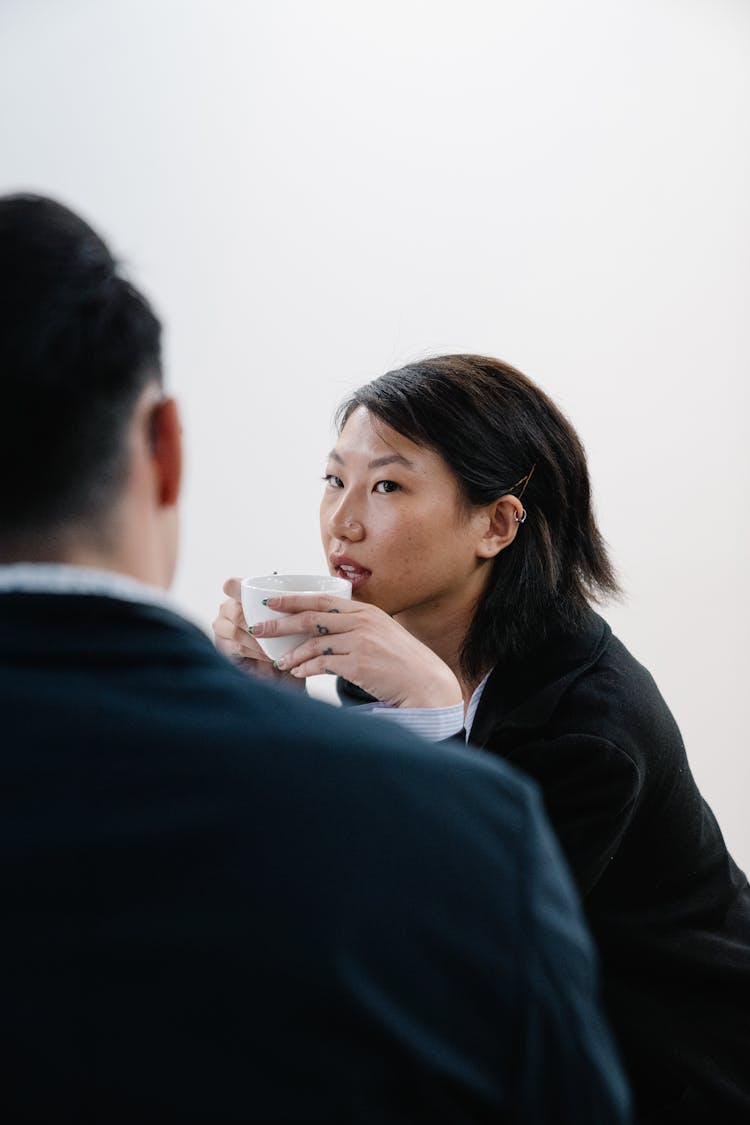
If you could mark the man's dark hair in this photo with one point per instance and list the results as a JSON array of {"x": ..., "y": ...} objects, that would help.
[
  {"x": 500, "y": 434},
  {"x": 77, "y": 346}
]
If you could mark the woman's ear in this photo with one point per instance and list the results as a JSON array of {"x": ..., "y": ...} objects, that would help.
[{"x": 502, "y": 518}]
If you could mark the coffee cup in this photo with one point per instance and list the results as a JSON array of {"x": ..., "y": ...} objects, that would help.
[{"x": 256, "y": 590}]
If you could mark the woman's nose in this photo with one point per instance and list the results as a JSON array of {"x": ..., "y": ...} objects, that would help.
[
  {"x": 354, "y": 529},
  {"x": 346, "y": 526}
]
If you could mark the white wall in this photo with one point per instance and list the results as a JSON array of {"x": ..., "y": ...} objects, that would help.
[{"x": 313, "y": 192}]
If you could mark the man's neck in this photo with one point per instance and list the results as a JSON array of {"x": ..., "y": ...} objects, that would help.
[{"x": 74, "y": 547}]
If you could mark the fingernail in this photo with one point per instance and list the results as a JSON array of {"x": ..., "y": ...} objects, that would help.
[
  {"x": 281, "y": 663},
  {"x": 276, "y": 664},
  {"x": 264, "y": 602},
  {"x": 250, "y": 629}
]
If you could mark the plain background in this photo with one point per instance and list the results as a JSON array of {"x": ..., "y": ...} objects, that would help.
[{"x": 313, "y": 192}]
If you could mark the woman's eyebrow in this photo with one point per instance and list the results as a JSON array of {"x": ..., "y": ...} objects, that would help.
[
  {"x": 391, "y": 459},
  {"x": 378, "y": 462}
]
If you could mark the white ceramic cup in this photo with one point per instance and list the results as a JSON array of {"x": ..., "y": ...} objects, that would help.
[{"x": 254, "y": 590}]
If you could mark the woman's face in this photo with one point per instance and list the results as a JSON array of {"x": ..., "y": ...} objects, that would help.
[{"x": 392, "y": 521}]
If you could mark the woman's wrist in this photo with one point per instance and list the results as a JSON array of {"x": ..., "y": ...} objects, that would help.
[{"x": 442, "y": 690}]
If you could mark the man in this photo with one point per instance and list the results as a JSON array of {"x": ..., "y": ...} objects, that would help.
[{"x": 223, "y": 904}]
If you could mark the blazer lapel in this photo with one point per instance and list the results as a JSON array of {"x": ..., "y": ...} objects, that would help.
[{"x": 525, "y": 693}]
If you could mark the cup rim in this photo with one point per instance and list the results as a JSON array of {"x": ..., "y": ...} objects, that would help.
[{"x": 265, "y": 582}]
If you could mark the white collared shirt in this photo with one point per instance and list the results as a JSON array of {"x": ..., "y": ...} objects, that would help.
[
  {"x": 64, "y": 578},
  {"x": 433, "y": 723}
]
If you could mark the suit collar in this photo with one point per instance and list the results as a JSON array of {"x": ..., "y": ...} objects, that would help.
[{"x": 36, "y": 627}]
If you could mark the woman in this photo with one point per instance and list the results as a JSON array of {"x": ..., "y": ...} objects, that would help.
[{"x": 457, "y": 502}]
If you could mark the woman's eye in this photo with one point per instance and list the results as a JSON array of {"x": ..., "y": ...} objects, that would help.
[
  {"x": 333, "y": 481},
  {"x": 387, "y": 486}
]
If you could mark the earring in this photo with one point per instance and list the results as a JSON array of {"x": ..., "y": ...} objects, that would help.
[{"x": 522, "y": 518}]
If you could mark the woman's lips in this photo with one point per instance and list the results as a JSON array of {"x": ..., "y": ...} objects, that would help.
[{"x": 353, "y": 572}]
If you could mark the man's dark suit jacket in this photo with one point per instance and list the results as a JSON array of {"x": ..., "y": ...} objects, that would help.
[{"x": 222, "y": 903}]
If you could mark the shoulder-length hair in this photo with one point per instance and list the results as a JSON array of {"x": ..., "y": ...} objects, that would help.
[{"x": 501, "y": 435}]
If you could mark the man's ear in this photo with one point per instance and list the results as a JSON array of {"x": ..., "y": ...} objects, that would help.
[
  {"x": 502, "y": 518},
  {"x": 166, "y": 450}
]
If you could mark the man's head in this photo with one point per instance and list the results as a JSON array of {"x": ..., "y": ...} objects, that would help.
[{"x": 89, "y": 449}]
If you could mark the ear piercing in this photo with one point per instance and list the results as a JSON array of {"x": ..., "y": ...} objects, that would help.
[{"x": 521, "y": 518}]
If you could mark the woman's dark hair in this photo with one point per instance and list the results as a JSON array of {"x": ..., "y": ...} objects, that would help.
[{"x": 500, "y": 434}]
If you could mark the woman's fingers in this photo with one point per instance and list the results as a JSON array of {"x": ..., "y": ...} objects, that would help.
[
  {"x": 223, "y": 626},
  {"x": 303, "y": 619},
  {"x": 232, "y": 588},
  {"x": 232, "y": 611},
  {"x": 229, "y": 619},
  {"x": 319, "y": 603},
  {"x": 231, "y": 632},
  {"x": 320, "y": 665},
  {"x": 322, "y": 646},
  {"x": 312, "y": 623},
  {"x": 265, "y": 670},
  {"x": 236, "y": 643}
]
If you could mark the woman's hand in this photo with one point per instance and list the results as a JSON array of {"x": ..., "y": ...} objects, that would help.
[
  {"x": 233, "y": 639},
  {"x": 364, "y": 645}
]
